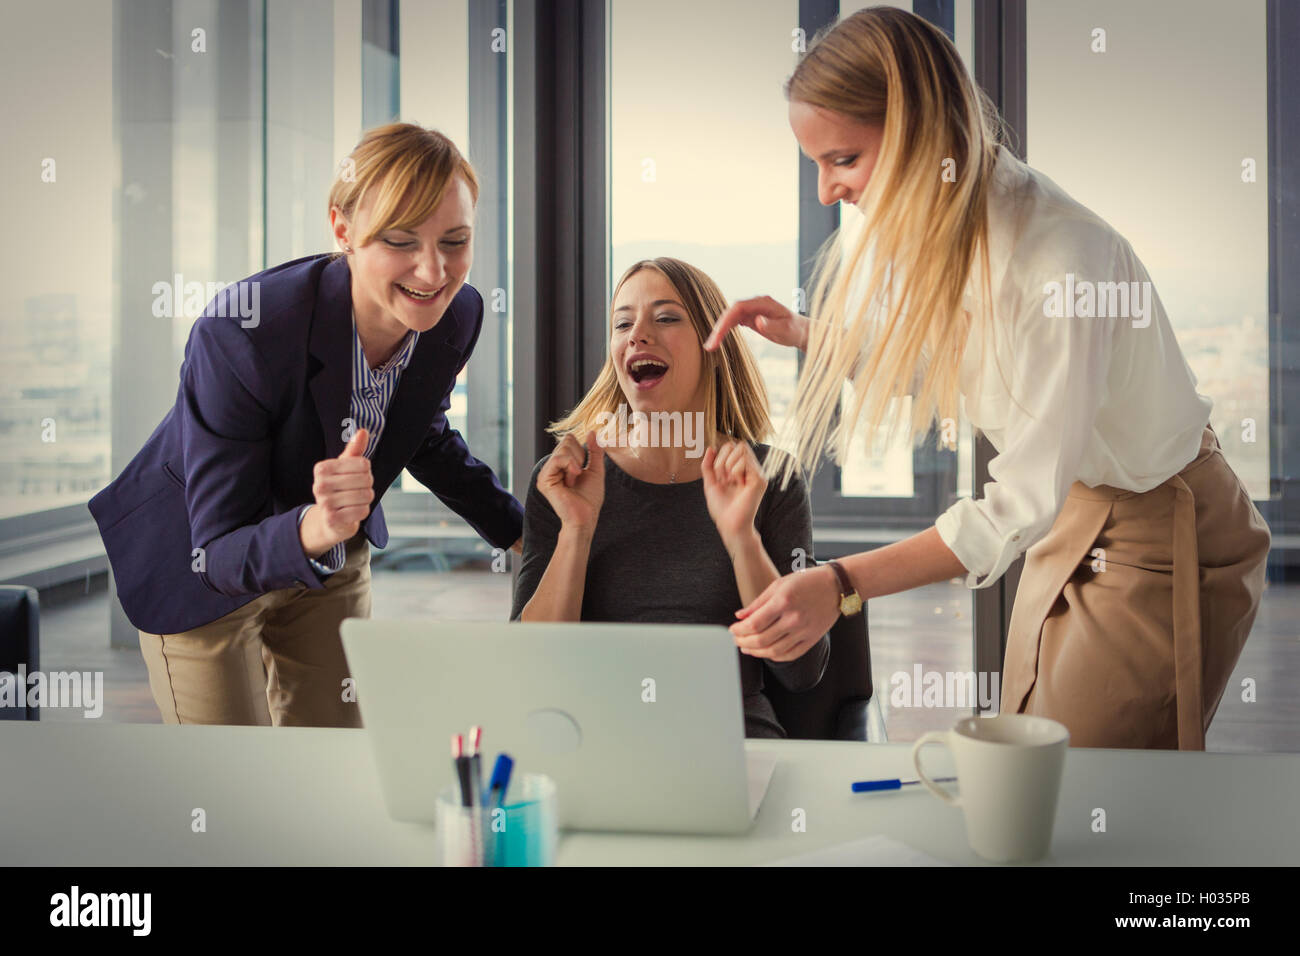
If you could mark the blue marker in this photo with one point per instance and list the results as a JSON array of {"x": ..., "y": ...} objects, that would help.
[
  {"x": 500, "y": 781},
  {"x": 867, "y": 786}
]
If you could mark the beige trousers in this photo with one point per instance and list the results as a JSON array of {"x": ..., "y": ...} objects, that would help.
[
  {"x": 277, "y": 660},
  {"x": 1132, "y": 611}
]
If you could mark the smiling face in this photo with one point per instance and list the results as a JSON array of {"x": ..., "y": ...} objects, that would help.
[
  {"x": 844, "y": 150},
  {"x": 404, "y": 279},
  {"x": 656, "y": 352}
]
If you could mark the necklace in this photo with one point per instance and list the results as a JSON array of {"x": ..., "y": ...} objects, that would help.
[{"x": 672, "y": 475}]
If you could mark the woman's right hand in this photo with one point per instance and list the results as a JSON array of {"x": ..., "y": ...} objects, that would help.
[
  {"x": 765, "y": 316},
  {"x": 343, "y": 488},
  {"x": 576, "y": 493}
]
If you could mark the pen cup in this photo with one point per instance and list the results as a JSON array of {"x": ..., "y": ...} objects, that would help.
[
  {"x": 463, "y": 835},
  {"x": 522, "y": 832},
  {"x": 526, "y": 828}
]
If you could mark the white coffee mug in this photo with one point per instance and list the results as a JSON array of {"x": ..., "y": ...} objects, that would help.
[{"x": 1009, "y": 772}]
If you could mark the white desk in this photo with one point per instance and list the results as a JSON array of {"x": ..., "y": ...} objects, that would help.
[{"x": 122, "y": 794}]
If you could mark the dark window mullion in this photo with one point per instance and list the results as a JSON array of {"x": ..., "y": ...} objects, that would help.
[
  {"x": 1283, "y": 66},
  {"x": 1000, "y": 69},
  {"x": 561, "y": 216}
]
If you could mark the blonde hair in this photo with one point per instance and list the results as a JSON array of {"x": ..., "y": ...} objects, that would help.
[
  {"x": 736, "y": 401},
  {"x": 922, "y": 239},
  {"x": 407, "y": 169}
]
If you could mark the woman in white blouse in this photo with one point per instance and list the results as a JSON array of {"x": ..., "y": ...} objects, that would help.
[{"x": 976, "y": 279}]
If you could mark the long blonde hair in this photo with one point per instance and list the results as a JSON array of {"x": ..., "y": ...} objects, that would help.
[
  {"x": 925, "y": 231},
  {"x": 736, "y": 401}
]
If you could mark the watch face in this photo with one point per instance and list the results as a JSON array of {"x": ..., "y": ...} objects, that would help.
[{"x": 850, "y": 604}]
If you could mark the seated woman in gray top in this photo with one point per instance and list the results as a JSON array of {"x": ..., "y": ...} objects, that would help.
[{"x": 673, "y": 523}]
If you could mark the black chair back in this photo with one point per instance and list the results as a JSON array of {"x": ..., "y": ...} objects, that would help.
[
  {"x": 836, "y": 709},
  {"x": 19, "y": 643}
]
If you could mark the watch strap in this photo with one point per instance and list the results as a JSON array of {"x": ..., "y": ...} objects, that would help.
[
  {"x": 846, "y": 586},
  {"x": 850, "y": 601}
]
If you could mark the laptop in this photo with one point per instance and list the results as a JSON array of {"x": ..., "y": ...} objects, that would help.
[{"x": 640, "y": 725}]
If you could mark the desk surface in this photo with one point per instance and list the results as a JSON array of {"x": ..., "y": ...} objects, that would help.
[{"x": 123, "y": 794}]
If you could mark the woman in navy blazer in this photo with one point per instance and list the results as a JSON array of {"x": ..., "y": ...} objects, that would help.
[{"x": 237, "y": 535}]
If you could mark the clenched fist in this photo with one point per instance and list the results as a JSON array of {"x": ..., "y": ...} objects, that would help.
[{"x": 576, "y": 493}]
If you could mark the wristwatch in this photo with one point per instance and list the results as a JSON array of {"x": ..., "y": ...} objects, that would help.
[{"x": 850, "y": 600}]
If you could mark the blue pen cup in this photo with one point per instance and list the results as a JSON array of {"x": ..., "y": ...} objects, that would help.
[
  {"x": 525, "y": 831},
  {"x": 522, "y": 832}
]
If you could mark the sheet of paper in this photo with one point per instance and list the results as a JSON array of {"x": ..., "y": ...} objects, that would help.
[
  {"x": 875, "y": 850},
  {"x": 759, "y": 768}
]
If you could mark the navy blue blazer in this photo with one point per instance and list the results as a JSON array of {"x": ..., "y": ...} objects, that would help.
[{"x": 228, "y": 468}]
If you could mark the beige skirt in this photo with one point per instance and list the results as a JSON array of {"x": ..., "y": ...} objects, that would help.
[{"x": 1132, "y": 611}]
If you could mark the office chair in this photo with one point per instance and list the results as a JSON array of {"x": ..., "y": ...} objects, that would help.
[
  {"x": 19, "y": 641},
  {"x": 843, "y": 706}
]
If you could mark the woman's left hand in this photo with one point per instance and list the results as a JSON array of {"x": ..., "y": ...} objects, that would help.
[
  {"x": 733, "y": 487},
  {"x": 790, "y": 616}
]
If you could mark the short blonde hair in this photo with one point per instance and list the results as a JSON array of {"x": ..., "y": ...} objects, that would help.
[
  {"x": 407, "y": 169},
  {"x": 736, "y": 403}
]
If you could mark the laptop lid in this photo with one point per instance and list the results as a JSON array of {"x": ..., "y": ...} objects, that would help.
[{"x": 640, "y": 725}]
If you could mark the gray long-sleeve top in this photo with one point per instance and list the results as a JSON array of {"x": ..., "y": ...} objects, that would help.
[{"x": 656, "y": 557}]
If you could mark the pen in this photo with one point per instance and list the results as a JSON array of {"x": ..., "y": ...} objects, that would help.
[
  {"x": 500, "y": 781},
  {"x": 461, "y": 763},
  {"x": 866, "y": 786},
  {"x": 476, "y": 764}
]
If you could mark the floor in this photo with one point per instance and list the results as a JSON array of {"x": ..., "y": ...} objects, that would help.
[{"x": 929, "y": 628}]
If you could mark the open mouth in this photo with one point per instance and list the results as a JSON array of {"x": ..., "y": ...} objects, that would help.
[
  {"x": 647, "y": 373},
  {"x": 416, "y": 295}
]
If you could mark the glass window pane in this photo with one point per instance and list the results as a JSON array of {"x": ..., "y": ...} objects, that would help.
[
  {"x": 56, "y": 303},
  {"x": 1119, "y": 115},
  {"x": 1155, "y": 116},
  {"x": 884, "y": 473},
  {"x": 889, "y": 472},
  {"x": 464, "y": 93},
  {"x": 707, "y": 172}
]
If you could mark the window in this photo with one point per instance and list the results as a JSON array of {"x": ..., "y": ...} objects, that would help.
[
  {"x": 707, "y": 172},
  {"x": 464, "y": 93},
  {"x": 57, "y": 303},
  {"x": 1164, "y": 134}
]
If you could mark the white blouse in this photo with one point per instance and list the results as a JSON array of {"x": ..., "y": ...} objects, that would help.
[{"x": 1102, "y": 393}]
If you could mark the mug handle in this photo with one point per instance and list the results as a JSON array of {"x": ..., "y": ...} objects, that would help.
[{"x": 933, "y": 737}]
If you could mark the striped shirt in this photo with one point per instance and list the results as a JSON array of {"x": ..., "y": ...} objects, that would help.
[{"x": 372, "y": 389}]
